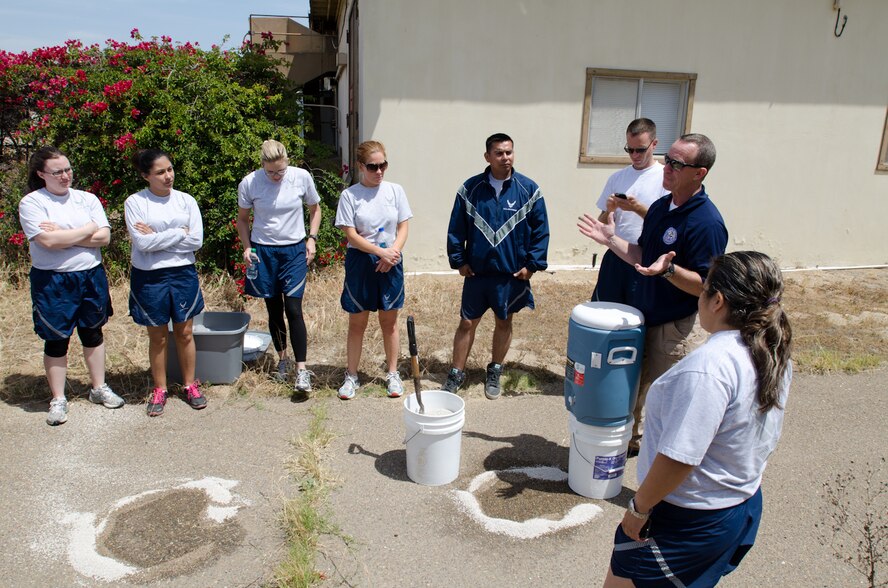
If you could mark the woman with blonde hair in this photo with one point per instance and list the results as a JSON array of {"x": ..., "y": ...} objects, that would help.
[
  {"x": 712, "y": 422},
  {"x": 373, "y": 214},
  {"x": 276, "y": 194}
]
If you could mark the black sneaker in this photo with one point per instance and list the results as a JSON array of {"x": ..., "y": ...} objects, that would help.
[
  {"x": 492, "y": 384},
  {"x": 455, "y": 379}
]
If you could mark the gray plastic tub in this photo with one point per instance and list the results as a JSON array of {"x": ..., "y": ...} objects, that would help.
[{"x": 219, "y": 339}]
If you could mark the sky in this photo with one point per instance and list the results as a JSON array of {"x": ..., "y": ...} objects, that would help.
[{"x": 26, "y": 25}]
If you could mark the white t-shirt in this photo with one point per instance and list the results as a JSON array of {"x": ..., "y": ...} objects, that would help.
[
  {"x": 704, "y": 412},
  {"x": 370, "y": 209},
  {"x": 646, "y": 185},
  {"x": 168, "y": 245},
  {"x": 277, "y": 206},
  {"x": 70, "y": 211}
]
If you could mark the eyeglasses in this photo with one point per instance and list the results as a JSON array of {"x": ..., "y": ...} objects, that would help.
[
  {"x": 58, "y": 173},
  {"x": 677, "y": 165},
  {"x": 631, "y": 150},
  {"x": 375, "y": 167},
  {"x": 276, "y": 173}
]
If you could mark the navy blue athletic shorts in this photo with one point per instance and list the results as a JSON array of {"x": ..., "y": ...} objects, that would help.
[
  {"x": 502, "y": 293},
  {"x": 616, "y": 280},
  {"x": 161, "y": 295},
  {"x": 282, "y": 270},
  {"x": 367, "y": 289},
  {"x": 62, "y": 301},
  {"x": 688, "y": 547}
]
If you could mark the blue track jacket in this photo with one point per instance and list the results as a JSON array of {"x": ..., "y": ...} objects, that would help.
[{"x": 498, "y": 235}]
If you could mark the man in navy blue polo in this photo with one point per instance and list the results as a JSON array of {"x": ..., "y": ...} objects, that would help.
[{"x": 682, "y": 232}]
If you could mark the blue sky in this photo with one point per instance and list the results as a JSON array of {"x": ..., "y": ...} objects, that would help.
[{"x": 27, "y": 24}]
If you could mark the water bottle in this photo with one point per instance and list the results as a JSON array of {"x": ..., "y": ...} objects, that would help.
[
  {"x": 253, "y": 269},
  {"x": 382, "y": 238}
]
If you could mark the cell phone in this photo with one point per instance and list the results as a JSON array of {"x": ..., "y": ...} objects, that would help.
[
  {"x": 623, "y": 196},
  {"x": 645, "y": 531}
]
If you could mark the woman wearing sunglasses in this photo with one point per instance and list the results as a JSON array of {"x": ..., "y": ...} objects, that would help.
[
  {"x": 373, "y": 214},
  {"x": 712, "y": 422},
  {"x": 276, "y": 194},
  {"x": 166, "y": 229},
  {"x": 66, "y": 229}
]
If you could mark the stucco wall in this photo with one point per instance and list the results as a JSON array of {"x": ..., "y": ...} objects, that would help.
[{"x": 796, "y": 114}]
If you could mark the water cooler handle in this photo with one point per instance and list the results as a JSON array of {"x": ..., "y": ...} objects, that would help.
[{"x": 611, "y": 360}]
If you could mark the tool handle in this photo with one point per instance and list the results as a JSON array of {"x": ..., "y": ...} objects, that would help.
[{"x": 411, "y": 336}]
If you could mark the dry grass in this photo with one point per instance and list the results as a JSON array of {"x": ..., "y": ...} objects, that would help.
[{"x": 840, "y": 321}]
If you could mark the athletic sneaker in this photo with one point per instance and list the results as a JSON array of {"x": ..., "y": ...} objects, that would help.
[
  {"x": 303, "y": 380},
  {"x": 194, "y": 397},
  {"x": 58, "y": 411},
  {"x": 394, "y": 385},
  {"x": 105, "y": 396},
  {"x": 492, "y": 384},
  {"x": 283, "y": 371},
  {"x": 455, "y": 379},
  {"x": 156, "y": 401},
  {"x": 349, "y": 387}
]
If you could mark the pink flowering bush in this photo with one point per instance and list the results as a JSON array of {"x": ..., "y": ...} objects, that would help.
[{"x": 210, "y": 110}]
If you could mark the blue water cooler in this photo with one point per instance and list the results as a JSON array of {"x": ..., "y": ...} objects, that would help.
[{"x": 605, "y": 345}]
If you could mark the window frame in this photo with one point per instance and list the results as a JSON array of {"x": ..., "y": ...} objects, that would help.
[
  {"x": 596, "y": 72},
  {"x": 882, "y": 164}
]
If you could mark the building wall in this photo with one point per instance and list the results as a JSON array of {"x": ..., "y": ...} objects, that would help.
[{"x": 796, "y": 114}]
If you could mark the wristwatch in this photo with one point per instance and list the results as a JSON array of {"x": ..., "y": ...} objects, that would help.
[
  {"x": 315, "y": 237},
  {"x": 632, "y": 510},
  {"x": 670, "y": 271}
]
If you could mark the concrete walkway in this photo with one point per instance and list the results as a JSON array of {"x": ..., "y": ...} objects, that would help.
[{"x": 401, "y": 533}]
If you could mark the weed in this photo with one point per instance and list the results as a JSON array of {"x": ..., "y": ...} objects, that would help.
[
  {"x": 306, "y": 517},
  {"x": 855, "y": 521}
]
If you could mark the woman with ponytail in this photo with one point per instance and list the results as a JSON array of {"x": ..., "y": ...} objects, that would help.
[{"x": 712, "y": 422}]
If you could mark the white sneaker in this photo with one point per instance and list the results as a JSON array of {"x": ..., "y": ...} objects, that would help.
[
  {"x": 303, "y": 380},
  {"x": 58, "y": 411},
  {"x": 105, "y": 396},
  {"x": 349, "y": 387},
  {"x": 394, "y": 385}
]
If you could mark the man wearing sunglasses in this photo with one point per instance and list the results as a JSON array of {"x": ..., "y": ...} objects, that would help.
[
  {"x": 627, "y": 194},
  {"x": 682, "y": 232},
  {"x": 497, "y": 238}
]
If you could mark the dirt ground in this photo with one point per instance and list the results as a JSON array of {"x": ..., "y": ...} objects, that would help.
[{"x": 839, "y": 318}]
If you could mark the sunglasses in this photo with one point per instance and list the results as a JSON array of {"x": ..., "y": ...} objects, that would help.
[
  {"x": 278, "y": 173},
  {"x": 630, "y": 150},
  {"x": 677, "y": 165},
  {"x": 375, "y": 167}
]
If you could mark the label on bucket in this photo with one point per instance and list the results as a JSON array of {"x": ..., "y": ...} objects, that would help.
[
  {"x": 575, "y": 372},
  {"x": 608, "y": 468}
]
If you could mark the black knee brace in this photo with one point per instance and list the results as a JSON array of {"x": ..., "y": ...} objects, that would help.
[
  {"x": 56, "y": 347},
  {"x": 90, "y": 338}
]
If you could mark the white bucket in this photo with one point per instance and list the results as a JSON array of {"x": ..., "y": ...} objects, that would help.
[
  {"x": 434, "y": 438},
  {"x": 597, "y": 458}
]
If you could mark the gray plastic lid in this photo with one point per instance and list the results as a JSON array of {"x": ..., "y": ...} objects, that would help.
[{"x": 607, "y": 316}]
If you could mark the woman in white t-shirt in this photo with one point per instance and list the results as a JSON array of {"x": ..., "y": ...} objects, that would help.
[
  {"x": 712, "y": 422},
  {"x": 373, "y": 214},
  {"x": 166, "y": 229},
  {"x": 276, "y": 195},
  {"x": 66, "y": 229}
]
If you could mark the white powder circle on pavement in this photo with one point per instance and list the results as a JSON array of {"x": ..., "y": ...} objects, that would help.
[
  {"x": 83, "y": 532},
  {"x": 531, "y": 528}
]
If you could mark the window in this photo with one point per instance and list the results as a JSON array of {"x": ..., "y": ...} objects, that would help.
[
  {"x": 883, "y": 153},
  {"x": 614, "y": 98}
]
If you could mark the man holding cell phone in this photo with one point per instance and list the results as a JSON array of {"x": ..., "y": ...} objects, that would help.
[{"x": 628, "y": 193}]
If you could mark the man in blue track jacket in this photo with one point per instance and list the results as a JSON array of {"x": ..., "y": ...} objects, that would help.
[{"x": 497, "y": 238}]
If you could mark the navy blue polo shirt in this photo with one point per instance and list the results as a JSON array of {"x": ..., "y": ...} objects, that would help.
[{"x": 697, "y": 234}]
